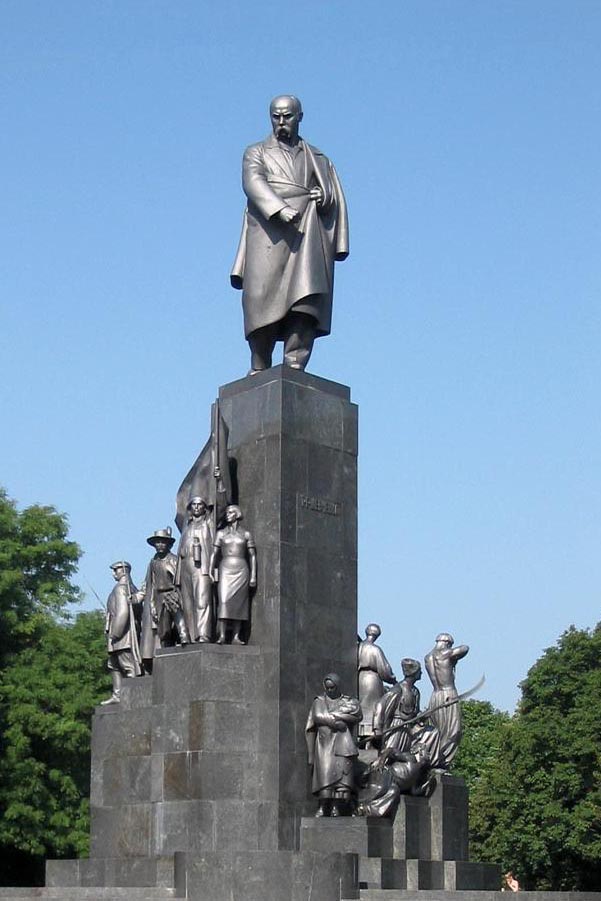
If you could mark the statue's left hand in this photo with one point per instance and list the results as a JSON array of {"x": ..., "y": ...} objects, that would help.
[{"x": 253, "y": 583}]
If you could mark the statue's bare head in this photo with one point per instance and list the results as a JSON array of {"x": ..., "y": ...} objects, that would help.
[
  {"x": 374, "y": 630},
  {"x": 445, "y": 639},
  {"x": 286, "y": 114}
]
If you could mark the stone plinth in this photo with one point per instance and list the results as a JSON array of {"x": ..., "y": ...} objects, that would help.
[
  {"x": 207, "y": 758},
  {"x": 365, "y": 836},
  {"x": 424, "y": 847},
  {"x": 270, "y": 876},
  {"x": 293, "y": 438}
]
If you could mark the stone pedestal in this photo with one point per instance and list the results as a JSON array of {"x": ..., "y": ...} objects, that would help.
[
  {"x": 206, "y": 760},
  {"x": 424, "y": 847},
  {"x": 200, "y": 784}
]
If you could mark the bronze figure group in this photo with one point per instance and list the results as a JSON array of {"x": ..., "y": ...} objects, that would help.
[
  {"x": 200, "y": 594},
  {"x": 366, "y": 752}
]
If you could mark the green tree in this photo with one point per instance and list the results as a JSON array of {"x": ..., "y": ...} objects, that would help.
[
  {"x": 537, "y": 806},
  {"x": 483, "y": 730},
  {"x": 37, "y": 562},
  {"x": 48, "y": 695},
  {"x": 52, "y": 672}
]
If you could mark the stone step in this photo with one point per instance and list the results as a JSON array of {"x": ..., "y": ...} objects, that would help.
[
  {"x": 87, "y": 893},
  {"x": 473, "y": 895}
]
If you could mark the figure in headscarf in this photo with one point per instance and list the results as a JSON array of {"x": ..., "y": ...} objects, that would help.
[{"x": 332, "y": 748}]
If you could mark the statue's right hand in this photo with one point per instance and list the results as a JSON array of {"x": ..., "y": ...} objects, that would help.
[{"x": 289, "y": 214}]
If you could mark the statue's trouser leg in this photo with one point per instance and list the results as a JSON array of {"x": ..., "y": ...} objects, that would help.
[
  {"x": 188, "y": 594},
  {"x": 180, "y": 625},
  {"x": 203, "y": 603},
  {"x": 298, "y": 339},
  {"x": 261, "y": 343},
  {"x": 127, "y": 665}
]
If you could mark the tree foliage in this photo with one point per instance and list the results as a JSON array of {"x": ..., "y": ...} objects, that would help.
[
  {"x": 37, "y": 562},
  {"x": 536, "y": 807},
  {"x": 484, "y": 728},
  {"x": 48, "y": 695},
  {"x": 52, "y": 673}
]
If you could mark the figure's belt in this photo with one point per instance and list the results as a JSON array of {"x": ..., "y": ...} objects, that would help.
[{"x": 289, "y": 184}]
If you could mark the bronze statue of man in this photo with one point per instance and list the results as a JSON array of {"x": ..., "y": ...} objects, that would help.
[
  {"x": 440, "y": 664},
  {"x": 192, "y": 573},
  {"x": 121, "y": 630},
  {"x": 162, "y": 614},
  {"x": 295, "y": 227}
]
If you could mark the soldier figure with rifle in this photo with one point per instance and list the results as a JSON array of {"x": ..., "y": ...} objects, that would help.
[{"x": 121, "y": 630}]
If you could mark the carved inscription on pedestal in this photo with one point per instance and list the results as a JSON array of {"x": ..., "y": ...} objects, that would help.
[{"x": 319, "y": 504}]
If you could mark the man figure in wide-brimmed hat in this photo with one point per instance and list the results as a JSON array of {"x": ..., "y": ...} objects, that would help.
[
  {"x": 121, "y": 630},
  {"x": 192, "y": 575},
  {"x": 162, "y": 615}
]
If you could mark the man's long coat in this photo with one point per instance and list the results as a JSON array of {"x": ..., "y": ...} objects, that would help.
[{"x": 278, "y": 264}]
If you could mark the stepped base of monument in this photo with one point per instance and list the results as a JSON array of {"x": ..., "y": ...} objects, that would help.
[
  {"x": 90, "y": 893},
  {"x": 138, "y": 872},
  {"x": 418, "y": 875},
  {"x": 399, "y": 895},
  {"x": 379, "y": 844},
  {"x": 206, "y": 876}
]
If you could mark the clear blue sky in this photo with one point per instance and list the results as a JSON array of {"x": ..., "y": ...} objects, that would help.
[{"x": 467, "y": 318}]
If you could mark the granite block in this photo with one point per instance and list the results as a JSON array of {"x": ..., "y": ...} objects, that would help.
[
  {"x": 123, "y": 831},
  {"x": 382, "y": 873},
  {"x": 317, "y": 417},
  {"x": 295, "y": 462},
  {"x": 126, "y": 732},
  {"x": 136, "y": 693},
  {"x": 271, "y": 876},
  {"x": 365, "y": 836},
  {"x": 183, "y": 826},
  {"x": 449, "y": 819},
  {"x": 216, "y": 775},
  {"x": 176, "y": 777},
  {"x": 62, "y": 872},
  {"x": 259, "y": 782},
  {"x": 170, "y": 728},
  {"x": 411, "y": 828},
  {"x": 464, "y": 875}
]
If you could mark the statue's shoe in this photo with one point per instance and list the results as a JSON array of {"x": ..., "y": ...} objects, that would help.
[{"x": 114, "y": 699}]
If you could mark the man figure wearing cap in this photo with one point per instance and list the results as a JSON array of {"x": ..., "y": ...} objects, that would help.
[
  {"x": 124, "y": 653},
  {"x": 162, "y": 614},
  {"x": 295, "y": 226},
  {"x": 440, "y": 664},
  {"x": 192, "y": 574},
  {"x": 400, "y": 705}
]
